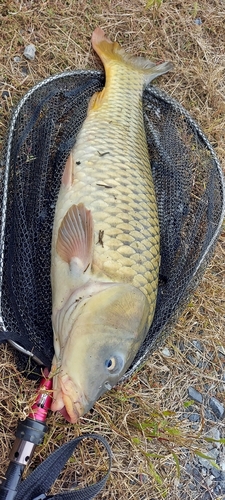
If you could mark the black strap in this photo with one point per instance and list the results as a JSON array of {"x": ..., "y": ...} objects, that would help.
[{"x": 42, "y": 478}]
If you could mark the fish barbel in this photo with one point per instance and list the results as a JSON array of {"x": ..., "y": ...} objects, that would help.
[{"x": 105, "y": 242}]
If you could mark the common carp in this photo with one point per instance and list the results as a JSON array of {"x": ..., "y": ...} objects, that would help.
[{"x": 105, "y": 242}]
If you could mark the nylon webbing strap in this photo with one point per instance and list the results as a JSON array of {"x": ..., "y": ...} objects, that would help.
[{"x": 41, "y": 479}]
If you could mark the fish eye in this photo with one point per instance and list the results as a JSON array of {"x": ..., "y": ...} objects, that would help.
[
  {"x": 114, "y": 364},
  {"x": 110, "y": 363}
]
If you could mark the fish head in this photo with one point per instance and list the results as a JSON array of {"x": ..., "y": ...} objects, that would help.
[{"x": 106, "y": 335}]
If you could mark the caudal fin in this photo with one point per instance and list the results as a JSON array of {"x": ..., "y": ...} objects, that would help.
[{"x": 112, "y": 52}]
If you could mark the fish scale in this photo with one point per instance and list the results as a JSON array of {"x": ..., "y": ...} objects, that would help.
[
  {"x": 130, "y": 201},
  {"x": 104, "y": 287}
]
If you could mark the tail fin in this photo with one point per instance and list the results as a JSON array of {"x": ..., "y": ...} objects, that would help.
[{"x": 111, "y": 51}]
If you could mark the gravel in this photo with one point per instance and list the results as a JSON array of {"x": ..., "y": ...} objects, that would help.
[
  {"x": 204, "y": 478},
  {"x": 217, "y": 407},
  {"x": 195, "y": 395},
  {"x": 194, "y": 417},
  {"x": 29, "y": 52},
  {"x": 166, "y": 352}
]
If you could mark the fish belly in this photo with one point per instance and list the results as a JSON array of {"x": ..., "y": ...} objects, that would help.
[{"x": 112, "y": 178}]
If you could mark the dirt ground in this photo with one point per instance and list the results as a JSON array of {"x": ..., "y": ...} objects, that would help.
[{"x": 141, "y": 418}]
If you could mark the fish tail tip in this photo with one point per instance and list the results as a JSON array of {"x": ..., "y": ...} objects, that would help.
[
  {"x": 103, "y": 46},
  {"x": 97, "y": 36},
  {"x": 98, "y": 39}
]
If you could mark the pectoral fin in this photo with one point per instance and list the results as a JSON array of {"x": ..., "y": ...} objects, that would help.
[{"x": 75, "y": 237}]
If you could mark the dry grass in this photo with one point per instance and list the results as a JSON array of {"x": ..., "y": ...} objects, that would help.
[{"x": 144, "y": 464}]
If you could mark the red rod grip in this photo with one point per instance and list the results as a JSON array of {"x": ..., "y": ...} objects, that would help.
[{"x": 43, "y": 401}]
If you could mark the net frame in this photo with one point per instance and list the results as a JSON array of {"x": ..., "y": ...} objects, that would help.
[{"x": 197, "y": 271}]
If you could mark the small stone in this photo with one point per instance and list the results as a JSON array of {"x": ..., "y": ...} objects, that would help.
[
  {"x": 195, "y": 427},
  {"x": 222, "y": 474},
  {"x": 204, "y": 462},
  {"x": 190, "y": 409},
  {"x": 188, "y": 468},
  {"x": 181, "y": 346},
  {"x": 133, "y": 402},
  {"x": 166, "y": 352},
  {"x": 222, "y": 465},
  {"x": 184, "y": 416},
  {"x": 192, "y": 486},
  {"x": 198, "y": 345},
  {"x": 198, "y": 21},
  {"x": 206, "y": 496},
  {"x": 5, "y": 94},
  {"x": 16, "y": 59},
  {"x": 216, "y": 472},
  {"x": 217, "y": 489},
  {"x": 217, "y": 407},
  {"x": 192, "y": 360},
  {"x": 196, "y": 474},
  {"x": 213, "y": 433},
  {"x": 143, "y": 478},
  {"x": 194, "y": 417},
  {"x": 222, "y": 486},
  {"x": 193, "y": 394},
  {"x": 204, "y": 471},
  {"x": 24, "y": 70},
  {"x": 29, "y": 52},
  {"x": 209, "y": 415},
  {"x": 209, "y": 480},
  {"x": 214, "y": 453}
]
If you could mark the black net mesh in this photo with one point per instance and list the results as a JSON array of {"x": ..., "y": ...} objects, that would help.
[{"x": 189, "y": 189}]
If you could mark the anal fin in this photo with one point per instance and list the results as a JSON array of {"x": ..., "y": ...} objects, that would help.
[{"x": 96, "y": 100}]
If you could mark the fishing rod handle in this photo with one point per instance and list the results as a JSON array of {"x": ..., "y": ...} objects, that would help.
[
  {"x": 9, "y": 486},
  {"x": 29, "y": 434}
]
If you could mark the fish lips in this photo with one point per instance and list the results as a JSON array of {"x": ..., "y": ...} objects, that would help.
[
  {"x": 73, "y": 410},
  {"x": 66, "y": 415},
  {"x": 77, "y": 411},
  {"x": 73, "y": 402}
]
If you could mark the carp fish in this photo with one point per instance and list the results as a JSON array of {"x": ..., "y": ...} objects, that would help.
[{"x": 105, "y": 241}]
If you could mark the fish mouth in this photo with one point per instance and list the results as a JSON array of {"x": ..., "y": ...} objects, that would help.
[
  {"x": 69, "y": 400},
  {"x": 72, "y": 410}
]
